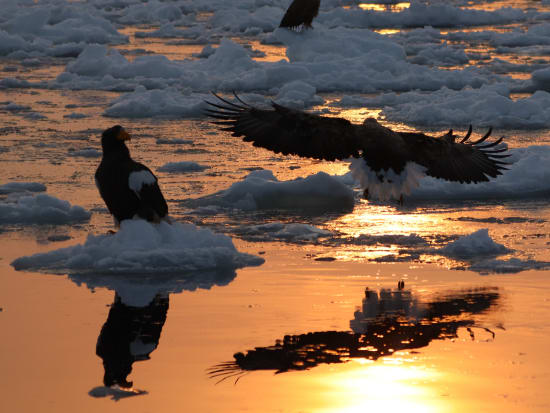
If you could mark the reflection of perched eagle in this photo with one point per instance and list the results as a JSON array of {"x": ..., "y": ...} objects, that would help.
[
  {"x": 128, "y": 188},
  {"x": 386, "y": 163},
  {"x": 300, "y": 12}
]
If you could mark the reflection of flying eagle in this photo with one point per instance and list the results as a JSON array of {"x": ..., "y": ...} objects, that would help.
[
  {"x": 300, "y": 12},
  {"x": 387, "y": 163},
  {"x": 128, "y": 188},
  {"x": 380, "y": 336}
]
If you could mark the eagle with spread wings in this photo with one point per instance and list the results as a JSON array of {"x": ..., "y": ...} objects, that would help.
[{"x": 387, "y": 163}]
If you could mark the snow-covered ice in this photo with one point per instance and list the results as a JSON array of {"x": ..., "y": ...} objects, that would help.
[
  {"x": 140, "y": 247},
  {"x": 473, "y": 245},
  {"x": 12, "y": 187},
  {"x": 261, "y": 190},
  {"x": 41, "y": 209},
  {"x": 182, "y": 167}
]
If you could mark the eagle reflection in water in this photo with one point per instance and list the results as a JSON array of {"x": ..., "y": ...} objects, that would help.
[
  {"x": 388, "y": 321},
  {"x": 130, "y": 334}
]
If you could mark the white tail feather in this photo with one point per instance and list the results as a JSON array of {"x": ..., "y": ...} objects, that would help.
[{"x": 387, "y": 184}]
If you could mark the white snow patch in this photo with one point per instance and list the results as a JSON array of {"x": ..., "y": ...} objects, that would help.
[
  {"x": 277, "y": 231},
  {"x": 143, "y": 103},
  {"x": 41, "y": 209},
  {"x": 474, "y": 245},
  {"x": 261, "y": 190},
  {"x": 140, "y": 247}
]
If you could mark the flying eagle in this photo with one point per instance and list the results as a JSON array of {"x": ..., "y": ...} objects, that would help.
[
  {"x": 300, "y": 12},
  {"x": 128, "y": 187},
  {"x": 388, "y": 164}
]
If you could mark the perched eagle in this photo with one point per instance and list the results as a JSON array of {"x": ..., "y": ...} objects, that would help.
[
  {"x": 300, "y": 12},
  {"x": 387, "y": 163},
  {"x": 128, "y": 187}
]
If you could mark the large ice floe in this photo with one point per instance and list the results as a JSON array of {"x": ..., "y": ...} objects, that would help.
[
  {"x": 261, "y": 190},
  {"x": 38, "y": 208},
  {"x": 489, "y": 105},
  {"x": 140, "y": 247}
]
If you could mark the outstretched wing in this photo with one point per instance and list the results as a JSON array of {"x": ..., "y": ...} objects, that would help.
[
  {"x": 288, "y": 131},
  {"x": 300, "y": 12},
  {"x": 464, "y": 161}
]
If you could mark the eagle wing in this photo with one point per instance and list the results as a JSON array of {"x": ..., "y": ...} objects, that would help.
[
  {"x": 464, "y": 161},
  {"x": 288, "y": 131},
  {"x": 151, "y": 203},
  {"x": 295, "y": 132}
]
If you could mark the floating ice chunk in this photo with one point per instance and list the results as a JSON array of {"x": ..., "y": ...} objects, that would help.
[
  {"x": 12, "y": 187},
  {"x": 280, "y": 231},
  {"x": 474, "y": 245},
  {"x": 142, "y": 103},
  {"x": 261, "y": 190},
  {"x": 512, "y": 265},
  {"x": 162, "y": 141},
  {"x": 299, "y": 95},
  {"x": 140, "y": 247},
  {"x": 41, "y": 209},
  {"x": 86, "y": 153},
  {"x": 487, "y": 106},
  {"x": 182, "y": 167}
]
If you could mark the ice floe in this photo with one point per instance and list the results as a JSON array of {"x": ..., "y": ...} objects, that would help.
[
  {"x": 473, "y": 245},
  {"x": 278, "y": 231},
  {"x": 85, "y": 153},
  {"x": 140, "y": 247},
  {"x": 261, "y": 190},
  {"x": 182, "y": 167},
  {"x": 512, "y": 265},
  {"x": 486, "y": 106},
  {"x": 41, "y": 209},
  {"x": 12, "y": 187}
]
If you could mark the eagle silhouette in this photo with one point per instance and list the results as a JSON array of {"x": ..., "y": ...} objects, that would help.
[
  {"x": 300, "y": 13},
  {"x": 387, "y": 163}
]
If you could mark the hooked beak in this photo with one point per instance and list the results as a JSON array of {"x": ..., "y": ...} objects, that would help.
[{"x": 123, "y": 136}]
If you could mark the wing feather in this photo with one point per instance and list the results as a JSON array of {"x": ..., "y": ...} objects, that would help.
[
  {"x": 152, "y": 205},
  {"x": 288, "y": 131},
  {"x": 465, "y": 161}
]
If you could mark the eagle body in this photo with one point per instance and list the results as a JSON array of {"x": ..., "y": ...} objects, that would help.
[
  {"x": 128, "y": 187},
  {"x": 388, "y": 164},
  {"x": 300, "y": 13}
]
